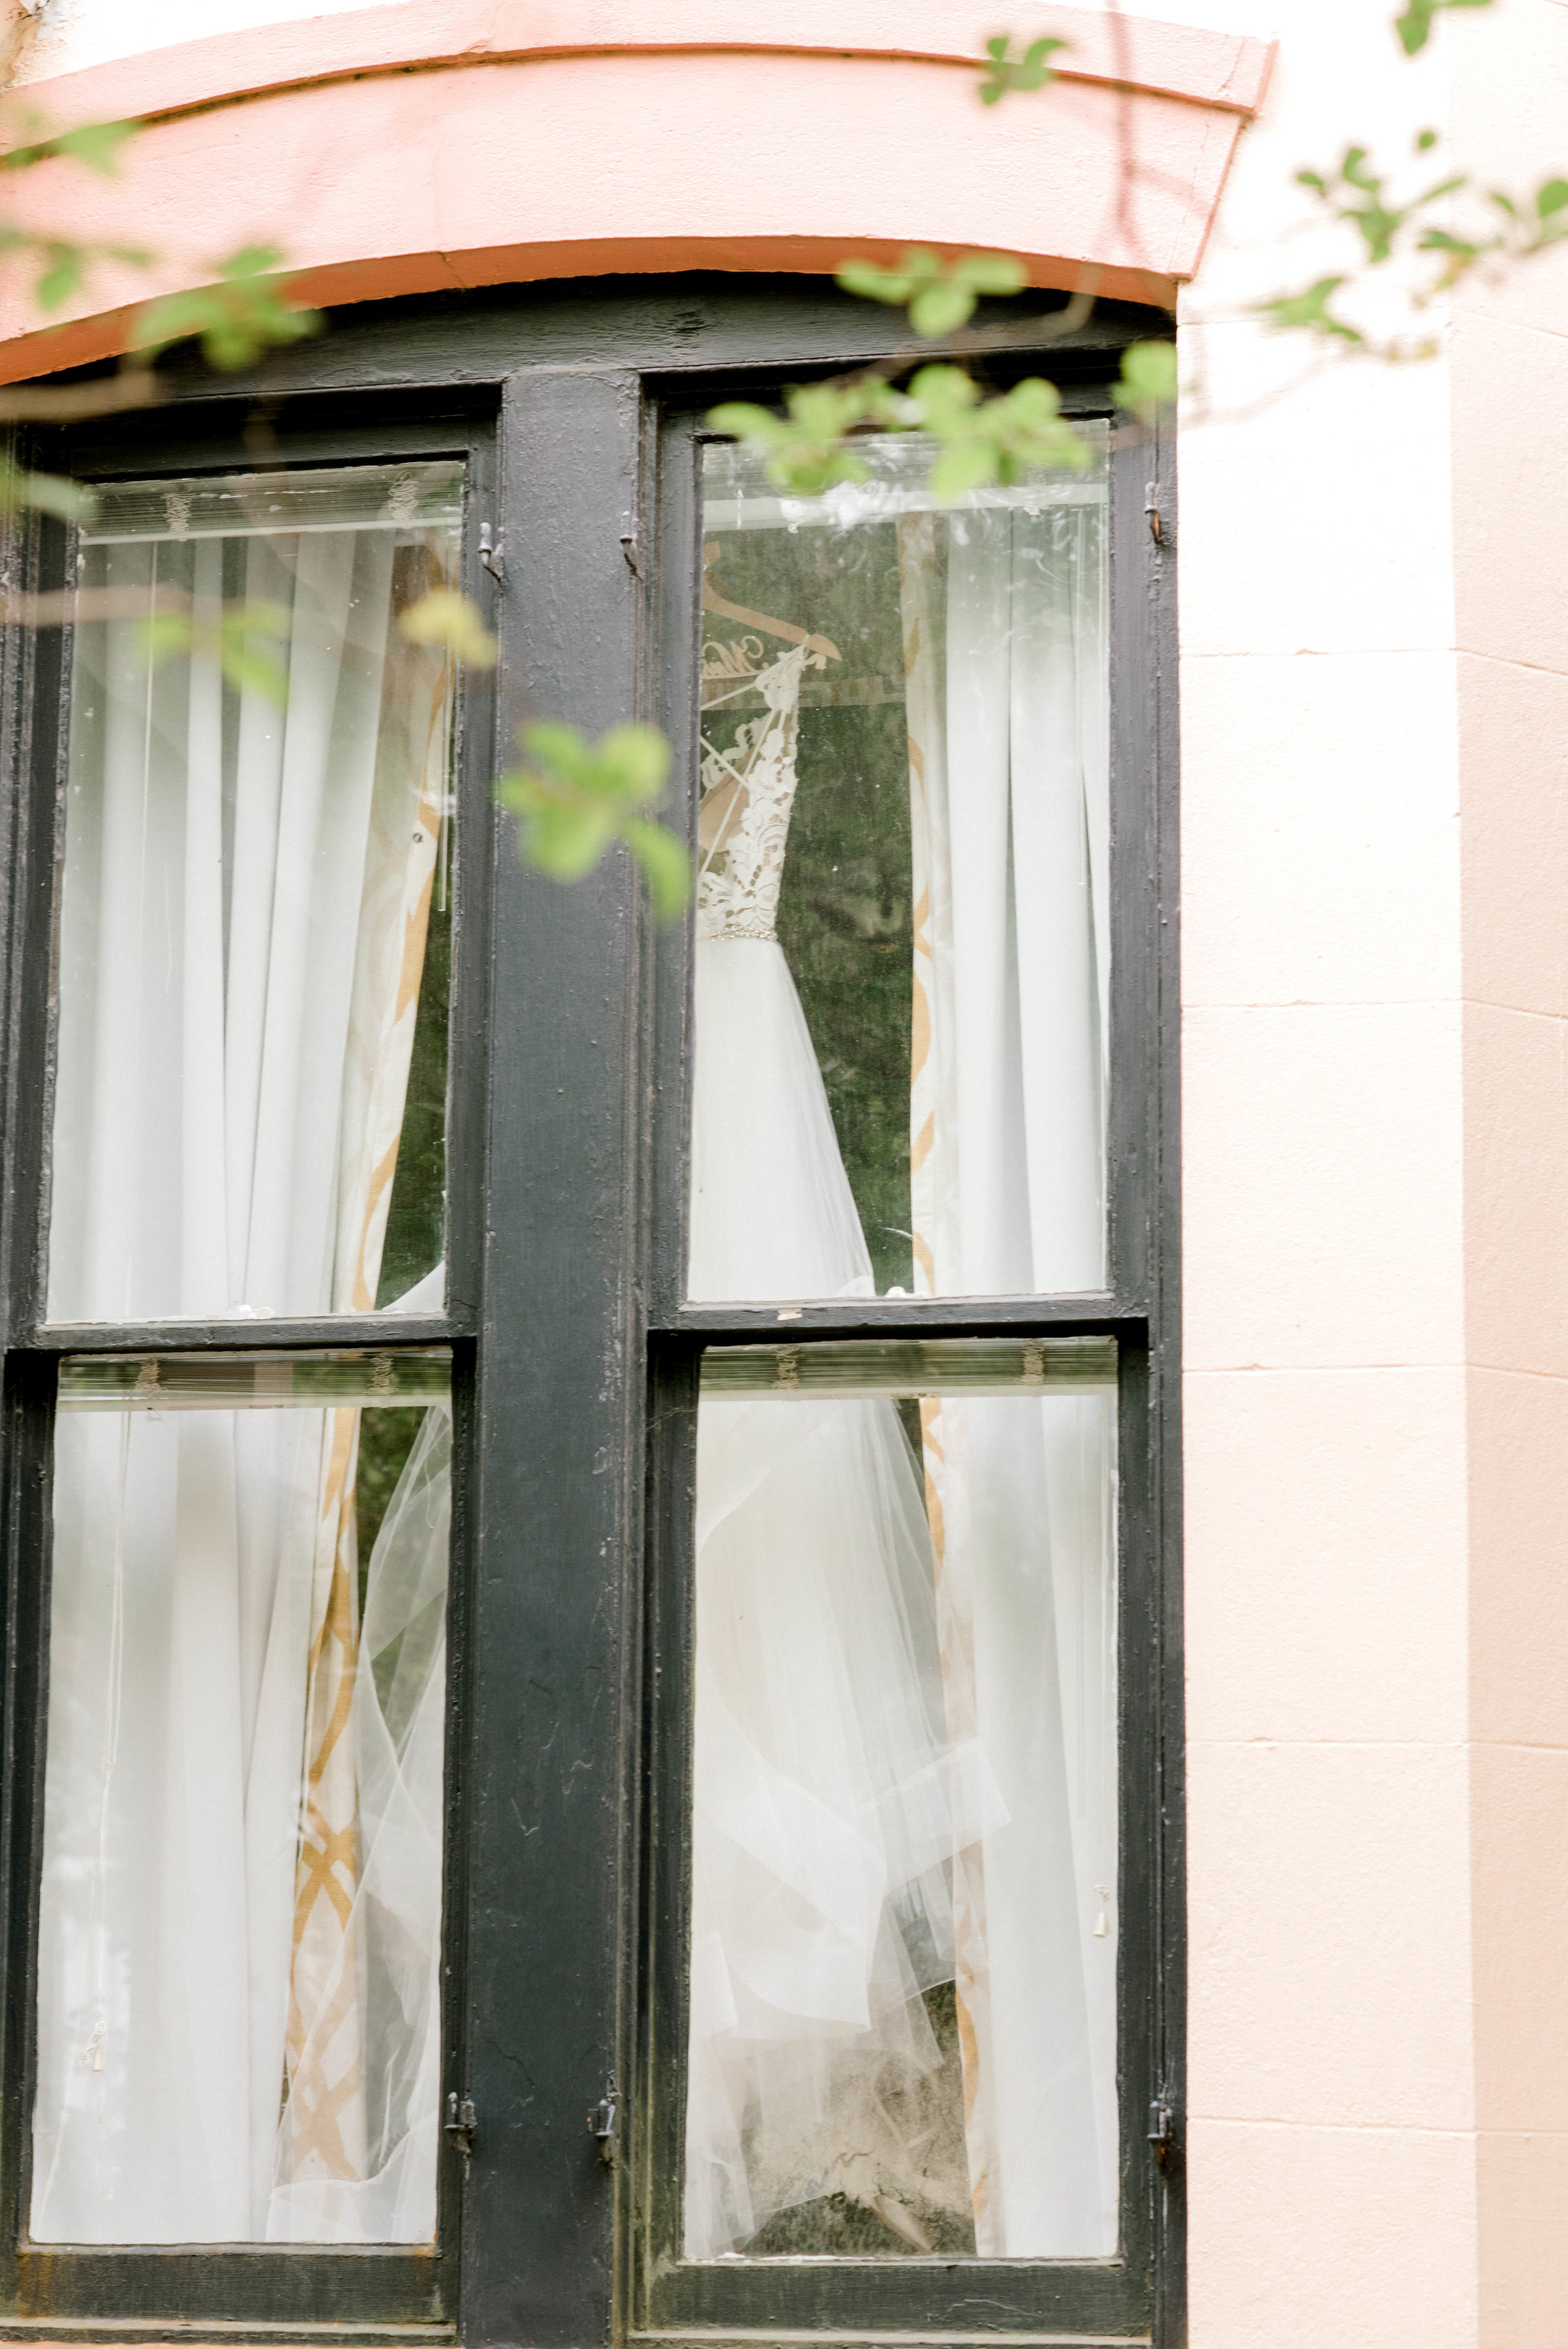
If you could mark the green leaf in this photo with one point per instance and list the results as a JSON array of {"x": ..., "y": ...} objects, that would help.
[
  {"x": 49, "y": 494},
  {"x": 941, "y": 295},
  {"x": 244, "y": 662},
  {"x": 964, "y": 465},
  {"x": 991, "y": 272},
  {"x": 666, "y": 865},
  {"x": 1309, "y": 309},
  {"x": 1551, "y": 197},
  {"x": 163, "y": 635},
  {"x": 997, "y": 439},
  {"x": 567, "y": 843},
  {"x": 575, "y": 797},
  {"x": 62, "y": 276},
  {"x": 247, "y": 311},
  {"x": 247, "y": 665},
  {"x": 940, "y": 309},
  {"x": 252, "y": 672},
  {"x": 742, "y": 419},
  {"x": 1415, "y": 26},
  {"x": 1438, "y": 240},
  {"x": 639, "y": 758},
  {"x": 445, "y": 618},
  {"x": 95, "y": 144},
  {"x": 560, "y": 747},
  {"x": 872, "y": 283},
  {"x": 1147, "y": 380},
  {"x": 803, "y": 449},
  {"x": 1003, "y": 72}
]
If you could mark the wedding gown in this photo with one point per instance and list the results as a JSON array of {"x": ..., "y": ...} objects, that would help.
[{"x": 829, "y": 1799}]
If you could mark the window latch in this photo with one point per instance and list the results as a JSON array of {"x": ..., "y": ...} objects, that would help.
[
  {"x": 461, "y": 2122},
  {"x": 632, "y": 548},
  {"x": 490, "y": 556},
  {"x": 605, "y": 2122},
  {"x": 1152, "y": 514},
  {"x": 1161, "y": 2130}
]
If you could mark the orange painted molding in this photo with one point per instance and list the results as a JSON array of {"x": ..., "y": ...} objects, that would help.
[{"x": 434, "y": 144}]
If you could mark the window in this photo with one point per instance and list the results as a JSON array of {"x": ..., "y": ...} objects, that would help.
[{"x": 587, "y": 1507}]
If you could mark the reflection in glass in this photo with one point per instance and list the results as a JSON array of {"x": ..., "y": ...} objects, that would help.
[
  {"x": 239, "y": 1942},
  {"x": 903, "y": 958},
  {"x": 904, "y": 1925},
  {"x": 251, "y": 1097}
]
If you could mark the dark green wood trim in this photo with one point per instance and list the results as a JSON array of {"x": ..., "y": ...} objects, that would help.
[
  {"x": 245, "y": 1336},
  {"x": 1100, "y": 2300},
  {"x": 558, "y": 1495}
]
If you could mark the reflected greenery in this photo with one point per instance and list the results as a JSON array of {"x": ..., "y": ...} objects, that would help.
[
  {"x": 386, "y": 1440},
  {"x": 844, "y": 909}
]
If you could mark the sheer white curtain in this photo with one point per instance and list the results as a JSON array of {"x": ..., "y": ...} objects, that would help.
[
  {"x": 228, "y": 1911},
  {"x": 241, "y": 1884},
  {"x": 831, "y": 1791},
  {"x": 1005, "y": 617},
  {"x": 246, "y": 893}
]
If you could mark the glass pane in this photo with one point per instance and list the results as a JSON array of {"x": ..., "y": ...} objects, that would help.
[
  {"x": 239, "y": 1940},
  {"x": 902, "y": 937},
  {"x": 250, "y": 1111},
  {"x": 903, "y": 1928}
]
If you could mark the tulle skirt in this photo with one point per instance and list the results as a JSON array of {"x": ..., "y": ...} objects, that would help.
[
  {"x": 772, "y": 1212},
  {"x": 829, "y": 1799}
]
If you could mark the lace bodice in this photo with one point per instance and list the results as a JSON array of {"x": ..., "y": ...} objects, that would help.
[{"x": 739, "y": 874}]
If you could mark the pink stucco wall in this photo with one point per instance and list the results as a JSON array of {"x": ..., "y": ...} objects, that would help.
[{"x": 1376, "y": 864}]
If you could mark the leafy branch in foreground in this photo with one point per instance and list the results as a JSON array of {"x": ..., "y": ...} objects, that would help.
[
  {"x": 50, "y": 493},
  {"x": 1356, "y": 196},
  {"x": 238, "y": 640},
  {"x": 980, "y": 440},
  {"x": 808, "y": 448},
  {"x": 940, "y": 296},
  {"x": 62, "y": 265},
  {"x": 247, "y": 311},
  {"x": 573, "y": 798},
  {"x": 95, "y": 144},
  {"x": 1147, "y": 380},
  {"x": 445, "y": 616}
]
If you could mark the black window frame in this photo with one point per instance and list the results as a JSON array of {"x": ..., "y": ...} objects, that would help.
[
  {"x": 578, "y": 410},
  {"x": 411, "y": 2288},
  {"x": 674, "y": 2301}
]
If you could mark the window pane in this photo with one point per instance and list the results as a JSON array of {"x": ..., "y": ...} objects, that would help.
[
  {"x": 902, "y": 939},
  {"x": 238, "y": 2017},
  {"x": 904, "y": 1929},
  {"x": 251, "y": 1094}
]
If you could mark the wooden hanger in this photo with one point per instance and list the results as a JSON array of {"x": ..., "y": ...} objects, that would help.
[{"x": 712, "y": 601}]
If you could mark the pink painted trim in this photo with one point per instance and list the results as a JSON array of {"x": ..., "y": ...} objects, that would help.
[
  {"x": 386, "y": 177},
  {"x": 1228, "y": 70}
]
